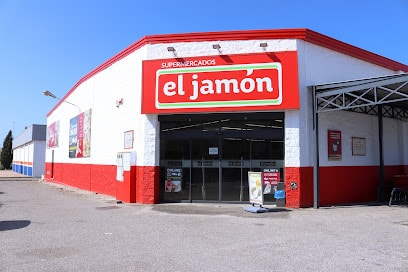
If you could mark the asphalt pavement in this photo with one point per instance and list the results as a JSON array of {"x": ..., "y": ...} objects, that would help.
[{"x": 51, "y": 227}]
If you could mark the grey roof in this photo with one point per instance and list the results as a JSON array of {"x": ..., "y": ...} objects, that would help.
[{"x": 32, "y": 133}]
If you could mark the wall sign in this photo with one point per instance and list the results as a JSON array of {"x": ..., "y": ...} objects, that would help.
[
  {"x": 173, "y": 180},
  {"x": 247, "y": 82},
  {"x": 128, "y": 139},
  {"x": 270, "y": 179},
  {"x": 80, "y": 135},
  {"x": 358, "y": 146},
  {"x": 53, "y": 135},
  {"x": 334, "y": 145}
]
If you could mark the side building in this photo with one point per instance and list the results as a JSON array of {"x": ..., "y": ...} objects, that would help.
[{"x": 29, "y": 151}]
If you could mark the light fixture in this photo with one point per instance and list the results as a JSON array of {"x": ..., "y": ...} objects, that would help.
[
  {"x": 263, "y": 45},
  {"x": 50, "y": 94},
  {"x": 171, "y": 49},
  {"x": 119, "y": 102},
  {"x": 216, "y": 46}
]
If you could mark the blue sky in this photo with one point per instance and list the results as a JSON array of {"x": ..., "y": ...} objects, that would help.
[{"x": 50, "y": 44}]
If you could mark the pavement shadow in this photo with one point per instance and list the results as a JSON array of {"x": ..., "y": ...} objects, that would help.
[
  {"x": 14, "y": 224},
  {"x": 238, "y": 211}
]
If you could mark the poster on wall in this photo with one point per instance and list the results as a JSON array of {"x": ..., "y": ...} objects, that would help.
[
  {"x": 270, "y": 179},
  {"x": 173, "y": 180},
  {"x": 80, "y": 135},
  {"x": 53, "y": 135},
  {"x": 255, "y": 188},
  {"x": 358, "y": 146},
  {"x": 334, "y": 145},
  {"x": 128, "y": 139}
]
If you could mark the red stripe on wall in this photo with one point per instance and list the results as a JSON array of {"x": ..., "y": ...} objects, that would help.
[
  {"x": 140, "y": 185},
  {"x": 345, "y": 185},
  {"x": 95, "y": 178},
  {"x": 147, "y": 184},
  {"x": 338, "y": 185},
  {"x": 302, "y": 195}
]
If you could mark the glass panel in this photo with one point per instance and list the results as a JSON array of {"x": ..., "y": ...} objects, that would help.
[
  {"x": 175, "y": 170},
  {"x": 205, "y": 170},
  {"x": 224, "y": 147},
  {"x": 235, "y": 166},
  {"x": 268, "y": 154}
]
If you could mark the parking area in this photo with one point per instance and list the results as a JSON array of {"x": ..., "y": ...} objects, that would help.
[{"x": 50, "y": 227}]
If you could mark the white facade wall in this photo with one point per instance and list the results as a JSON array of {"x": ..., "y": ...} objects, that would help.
[
  {"x": 123, "y": 79},
  {"x": 195, "y": 49},
  {"x": 319, "y": 65},
  {"x": 108, "y": 122},
  {"x": 364, "y": 126}
]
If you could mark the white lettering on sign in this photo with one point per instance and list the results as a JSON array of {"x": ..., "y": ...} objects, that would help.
[
  {"x": 246, "y": 85},
  {"x": 254, "y": 84},
  {"x": 189, "y": 63}
]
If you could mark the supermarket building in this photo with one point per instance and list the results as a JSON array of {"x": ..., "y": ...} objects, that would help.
[{"x": 185, "y": 117}]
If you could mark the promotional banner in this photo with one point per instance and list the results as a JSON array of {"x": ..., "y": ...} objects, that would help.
[
  {"x": 263, "y": 81},
  {"x": 80, "y": 135},
  {"x": 173, "y": 180},
  {"x": 334, "y": 145},
  {"x": 255, "y": 188},
  {"x": 53, "y": 135},
  {"x": 270, "y": 179}
]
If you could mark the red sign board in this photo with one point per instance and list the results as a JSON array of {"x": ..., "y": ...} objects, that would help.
[
  {"x": 221, "y": 83},
  {"x": 334, "y": 145}
]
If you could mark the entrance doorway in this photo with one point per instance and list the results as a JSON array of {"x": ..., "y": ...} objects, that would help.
[{"x": 207, "y": 157}]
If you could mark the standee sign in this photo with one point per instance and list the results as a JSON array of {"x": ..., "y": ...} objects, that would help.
[{"x": 221, "y": 83}]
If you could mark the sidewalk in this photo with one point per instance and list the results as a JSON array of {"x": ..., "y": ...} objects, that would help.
[
  {"x": 50, "y": 227},
  {"x": 11, "y": 174}
]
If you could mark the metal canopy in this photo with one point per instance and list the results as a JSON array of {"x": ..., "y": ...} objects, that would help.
[
  {"x": 364, "y": 95},
  {"x": 385, "y": 96}
]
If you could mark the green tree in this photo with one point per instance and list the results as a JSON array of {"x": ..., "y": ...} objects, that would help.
[{"x": 6, "y": 156}]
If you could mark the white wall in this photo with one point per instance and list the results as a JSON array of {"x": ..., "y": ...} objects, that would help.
[
  {"x": 363, "y": 126},
  {"x": 318, "y": 65},
  {"x": 108, "y": 122},
  {"x": 123, "y": 79}
]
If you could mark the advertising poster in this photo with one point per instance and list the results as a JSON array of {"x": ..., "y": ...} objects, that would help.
[
  {"x": 255, "y": 188},
  {"x": 358, "y": 146},
  {"x": 52, "y": 135},
  {"x": 270, "y": 179},
  {"x": 173, "y": 180},
  {"x": 334, "y": 145},
  {"x": 80, "y": 135}
]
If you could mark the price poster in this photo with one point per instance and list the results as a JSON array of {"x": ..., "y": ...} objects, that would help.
[
  {"x": 270, "y": 179},
  {"x": 173, "y": 180}
]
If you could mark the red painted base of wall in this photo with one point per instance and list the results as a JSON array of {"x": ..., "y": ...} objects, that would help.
[
  {"x": 338, "y": 185},
  {"x": 141, "y": 183},
  {"x": 126, "y": 190},
  {"x": 301, "y": 194}
]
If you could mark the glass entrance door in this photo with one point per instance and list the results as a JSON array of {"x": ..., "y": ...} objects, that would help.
[
  {"x": 235, "y": 165},
  {"x": 205, "y": 170},
  {"x": 207, "y": 157}
]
